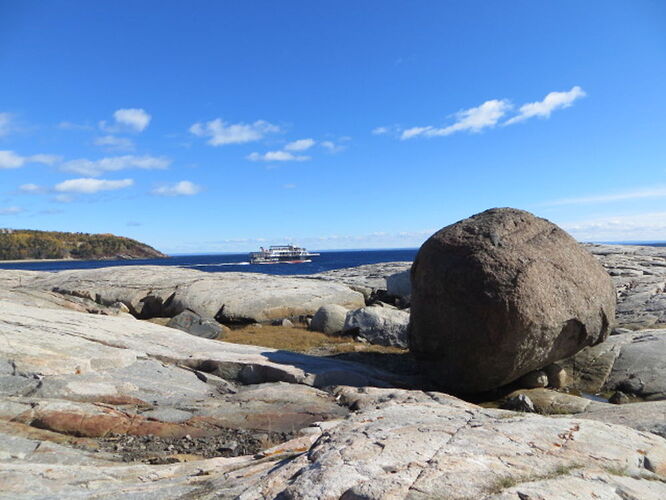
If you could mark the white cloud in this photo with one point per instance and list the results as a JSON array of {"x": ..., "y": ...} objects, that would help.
[
  {"x": 543, "y": 109},
  {"x": 638, "y": 227},
  {"x": 31, "y": 189},
  {"x": 135, "y": 119},
  {"x": 473, "y": 120},
  {"x": 332, "y": 147},
  {"x": 289, "y": 186},
  {"x": 221, "y": 133},
  {"x": 90, "y": 186},
  {"x": 276, "y": 156},
  {"x": 10, "y": 210},
  {"x": 380, "y": 131},
  {"x": 300, "y": 145},
  {"x": 182, "y": 188},
  {"x": 9, "y": 159},
  {"x": 112, "y": 142},
  {"x": 113, "y": 164},
  {"x": 5, "y": 123},
  {"x": 651, "y": 192}
]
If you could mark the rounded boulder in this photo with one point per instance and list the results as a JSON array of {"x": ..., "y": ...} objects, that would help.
[{"x": 503, "y": 293}]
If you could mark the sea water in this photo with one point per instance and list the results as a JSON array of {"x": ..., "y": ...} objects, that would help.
[{"x": 327, "y": 261}]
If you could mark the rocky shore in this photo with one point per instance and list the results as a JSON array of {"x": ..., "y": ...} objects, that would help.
[{"x": 96, "y": 403}]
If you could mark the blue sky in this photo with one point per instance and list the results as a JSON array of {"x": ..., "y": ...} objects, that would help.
[{"x": 222, "y": 126}]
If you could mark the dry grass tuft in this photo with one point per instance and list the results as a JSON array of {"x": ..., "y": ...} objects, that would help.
[{"x": 300, "y": 339}]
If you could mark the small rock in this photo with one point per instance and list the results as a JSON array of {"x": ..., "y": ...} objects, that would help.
[
  {"x": 121, "y": 307},
  {"x": 533, "y": 379},
  {"x": 329, "y": 319},
  {"x": 619, "y": 398},
  {"x": 378, "y": 325},
  {"x": 283, "y": 322},
  {"x": 399, "y": 284},
  {"x": 519, "y": 403},
  {"x": 192, "y": 323}
]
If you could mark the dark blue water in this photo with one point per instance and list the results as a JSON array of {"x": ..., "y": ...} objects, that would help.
[{"x": 327, "y": 261}]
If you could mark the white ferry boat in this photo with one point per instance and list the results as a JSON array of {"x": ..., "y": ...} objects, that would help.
[{"x": 281, "y": 254}]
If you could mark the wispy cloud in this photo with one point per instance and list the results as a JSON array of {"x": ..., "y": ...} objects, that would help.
[
  {"x": 95, "y": 168},
  {"x": 472, "y": 120},
  {"x": 220, "y": 133},
  {"x": 65, "y": 125},
  {"x": 289, "y": 186},
  {"x": 6, "y": 126},
  {"x": 11, "y": 210},
  {"x": 332, "y": 147},
  {"x": 182, "y": 188},
  {"x": 651, "y": 192},
  {"x": 277, "y": 156},
  {"x": 300, "y": 145},
  {"x": 490, "y": 114},
  {"x": 638, "y": 227},
  {"x": 114, "y": 143},
  {"x": 127, "y": 120},
  {"x": 32, "y": 189},
  {"x": 9, "y": 159},
  {"x": 380, "y": 130},
  {"x": 91, "y": 186},
  {"x": 552, "y": 102}
]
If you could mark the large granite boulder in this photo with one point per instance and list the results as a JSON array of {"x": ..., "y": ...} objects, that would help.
[
  {"x": 503, "y": 293},
  {"x": 378, "y": 325}
]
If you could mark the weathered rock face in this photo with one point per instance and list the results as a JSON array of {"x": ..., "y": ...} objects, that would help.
[
  {"x": 399, "y": 284},
  {"x": 503, "y": 293},
  {"x": 634, "y": 363},
  {"x": 639, "y": 274},
  {"x": 404, "y": 444},
  {"x": 379, "y": 325},
  {"x": 150, "y": 291},
  {"x": 329, "y": 319}
]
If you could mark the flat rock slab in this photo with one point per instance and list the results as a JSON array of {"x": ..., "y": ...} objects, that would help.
[
  {"x": 150, "y": 291},
  {"x": 403, "y": 444},
  {"x": 647, "y": 417},
  {"x": 639, "y": 275},
  {"x": 633, "y": 362},
  {"x": 367, "y": 278},
  {"x": 64, "y": 345}
]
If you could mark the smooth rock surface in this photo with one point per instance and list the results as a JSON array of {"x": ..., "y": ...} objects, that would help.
[
  {"x": 329, "y": 319},
  {"x": 150, "y": 291},
  {"x": 503, "y": 293},
  {"x": 378, "y": 325},
  {"x": 403, "y": 444},
  {"x": 634, "y": 363},
  {"x": 399, "y": 284}
]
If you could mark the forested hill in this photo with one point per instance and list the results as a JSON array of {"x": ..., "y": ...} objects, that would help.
[{"x": 27, "y": 244}]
